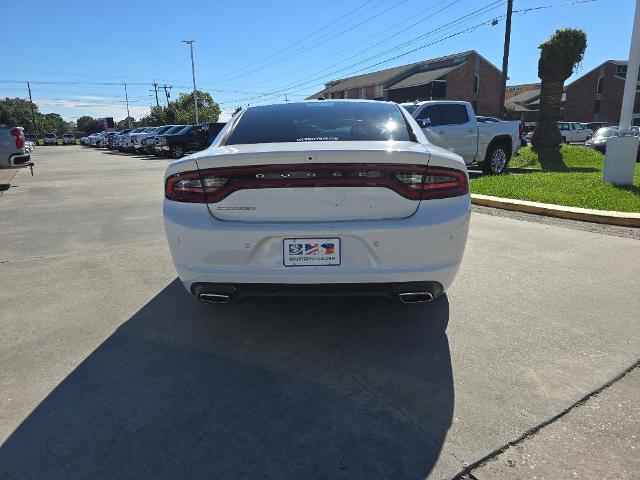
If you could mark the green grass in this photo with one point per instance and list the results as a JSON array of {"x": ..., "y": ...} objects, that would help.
[{"x": 571, "y": 175}]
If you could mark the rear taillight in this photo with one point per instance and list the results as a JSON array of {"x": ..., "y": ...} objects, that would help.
[
  {"x": 19, "y": 138},
  {"x": 415, "y": 182}
]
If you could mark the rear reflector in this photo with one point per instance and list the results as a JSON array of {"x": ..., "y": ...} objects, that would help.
[{"x": 415, "y": 182}]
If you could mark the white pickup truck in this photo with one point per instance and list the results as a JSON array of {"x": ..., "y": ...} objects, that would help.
[
  {"x": 13, "y": 148},
  {"x": 453, "y": 125}
]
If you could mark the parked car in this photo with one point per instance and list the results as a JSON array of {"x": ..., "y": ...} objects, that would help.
[
  {"x": 453, "y": 125},
  {"x": 50, "y": 139},
  {"x": 574, "y": 132},
  {"x": 13, "y": 151},
  {"x": 157, "y": 143},
  {"x": 148, "y": 140},
  {"x": 68, "y": 139},
  {"x": 596, "y": 125},
  {"x": 318, "y": 198},
  {"x": 136, "y": 140},
  {"x": 191, "y": 138},
  {"x": 126, "y": 141},
  {"x": 30, "y": 137},
  {"x": 599, "y": 140},
  {"x": 112, "y": 141}
]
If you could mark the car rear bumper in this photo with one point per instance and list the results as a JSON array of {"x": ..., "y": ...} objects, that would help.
[
  {"x": 428, "y": 246},
  {"x": 402, "y": 292}
]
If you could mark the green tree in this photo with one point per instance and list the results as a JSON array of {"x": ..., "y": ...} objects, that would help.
[
  {"x": 17, "y": 112},
  {"x": 208, "y": 108},
  {"x": 157, "y": 116},
  {"x": 559, "y": 56},
  {"x": 52, "y": 123},
  {"x": 124, "y": 124},
  {"x": 88, "y": 125}
]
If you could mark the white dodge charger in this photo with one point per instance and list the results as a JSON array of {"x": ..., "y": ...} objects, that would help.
[{"x": 318, "y": 198}]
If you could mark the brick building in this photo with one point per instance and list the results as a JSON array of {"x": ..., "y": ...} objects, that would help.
[
  {"x": 462, "y": 76},
  {"x": 597, "y": 95}
]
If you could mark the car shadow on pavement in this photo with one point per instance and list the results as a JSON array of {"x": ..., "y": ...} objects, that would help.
[{"x": 287, "y": 390}]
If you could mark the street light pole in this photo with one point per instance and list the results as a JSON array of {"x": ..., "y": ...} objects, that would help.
[
  {"x": 193, "y": 74},
  {"x": 620, "y": 157}
]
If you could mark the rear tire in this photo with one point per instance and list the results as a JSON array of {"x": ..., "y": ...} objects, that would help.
[{"x": 496, "y": 160}]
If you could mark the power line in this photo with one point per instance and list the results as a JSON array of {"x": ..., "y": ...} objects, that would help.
[
  {"x": 297, "y": 42},
  {"x": 315, "y": 79},
  {"x": 467, "y": 30},
  {"x": 322, "y": 42},
  {"x": 350, "y": 47}
]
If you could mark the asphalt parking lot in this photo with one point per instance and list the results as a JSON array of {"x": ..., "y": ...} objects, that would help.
[{"x": 108, "y": 369}]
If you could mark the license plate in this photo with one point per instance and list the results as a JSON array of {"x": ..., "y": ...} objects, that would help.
[{"x": 300, "y": 252}]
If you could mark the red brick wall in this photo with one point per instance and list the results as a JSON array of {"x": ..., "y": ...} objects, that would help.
[
  {"x": 370, "y": 93},
  {"x": 460, "y": 85},
  {"x": 582, "y": 95}
]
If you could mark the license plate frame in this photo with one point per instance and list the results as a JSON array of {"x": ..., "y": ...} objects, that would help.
[{"x": 306, "y": 246}]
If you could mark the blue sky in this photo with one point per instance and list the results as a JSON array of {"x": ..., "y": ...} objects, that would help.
[{"x": 256, "y": 51}]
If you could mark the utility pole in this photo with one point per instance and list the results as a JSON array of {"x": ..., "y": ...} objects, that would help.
[
  {"x": 126, "y": 96},
  {"x": 620, "y": 157},
  {"x": 193, "y": 74},
  {"x": 505, "y": 56},
  {"x": 166, "y": 91},
  {"x": 155, "y": 89},
  {"x": 33, "y": 111}
]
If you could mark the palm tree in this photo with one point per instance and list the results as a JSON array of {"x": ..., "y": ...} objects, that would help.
[{"x": 558, "y": 57}]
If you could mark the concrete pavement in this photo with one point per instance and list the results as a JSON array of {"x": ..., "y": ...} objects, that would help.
[
  {"x": 598, "y": 439},
  {"x": 108, "y": 369}
]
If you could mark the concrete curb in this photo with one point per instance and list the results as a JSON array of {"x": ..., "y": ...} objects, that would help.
[{"x": 623, "y": 219}]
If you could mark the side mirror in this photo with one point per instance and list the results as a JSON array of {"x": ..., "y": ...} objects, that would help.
[{"x": 424, "y": 122}]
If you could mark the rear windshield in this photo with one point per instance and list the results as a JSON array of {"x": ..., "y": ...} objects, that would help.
[
  {"x": 321, "y": 121},
  {"x": 50, "y": 135},
  {"x": 605, "y": 132}
]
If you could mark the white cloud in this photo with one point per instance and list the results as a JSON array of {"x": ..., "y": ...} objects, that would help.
[{"x": 74, "y": 108}]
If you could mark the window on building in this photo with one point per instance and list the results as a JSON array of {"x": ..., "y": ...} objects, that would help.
[
  {"x": 454, "y": 114},
  {"x": 476, "y": 83},
  {"x": 378, "y": 91},
  {"x": 596, "y": 107},
  {"x": 621, "y": 71},
  {"x": 439, "y": 89},
  {"x": 362, "y": 93}
]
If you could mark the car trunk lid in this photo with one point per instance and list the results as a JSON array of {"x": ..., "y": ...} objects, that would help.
[{"x": 313, "y": 181}]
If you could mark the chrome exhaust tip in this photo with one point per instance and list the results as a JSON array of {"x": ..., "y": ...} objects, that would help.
[
  {"x": 415, "y": 297},
  {"x": 213, "y": 298}
]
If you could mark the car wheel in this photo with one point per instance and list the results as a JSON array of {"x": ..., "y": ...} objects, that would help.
[
  {"x": 565, "y": 140},
  {"x": 177, "y": 151},
  {"x": 496, "y": 160}
]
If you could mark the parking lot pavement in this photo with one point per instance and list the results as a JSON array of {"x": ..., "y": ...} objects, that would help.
[
  {"x": 108, "y": 369},
  {"x": 607, "y": 424}
]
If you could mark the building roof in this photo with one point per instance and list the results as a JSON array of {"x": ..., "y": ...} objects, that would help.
[
  {"x": 537, "y": 102},
  {"x": 422, "y": 78},
  {"x": 388, "y": 75},
  {"x": 526, "y": 96},
  {"x": 515, "y": 107}
]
